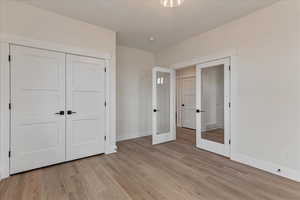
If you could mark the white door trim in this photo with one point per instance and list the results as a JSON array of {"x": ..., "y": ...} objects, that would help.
[
  {"x": 22, "y": 41},
  {"x": 232, "y": 53},
  {"x": 222, "y": 149},
  {"x": 5, "y": 41},
  {"x": 156, "y": 139},
  {"x": 5, "y": 112}
]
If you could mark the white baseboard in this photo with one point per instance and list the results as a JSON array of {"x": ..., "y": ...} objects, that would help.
[
  {"x": 132, "y": 135},
  {"x": 267, "y": 166},
  {"x": 111, "y": 149},
  {"x": 3, "y": 174}
]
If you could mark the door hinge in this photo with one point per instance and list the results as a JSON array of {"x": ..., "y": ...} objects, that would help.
[
  {"x": 105, "y": 69},
  {"x": 229, "y": 141},
  {"x": 9, "y": 106},
  {"x": 9, "y": 154},
  {"x": 229, "y": 67},
  {"x": 105, "y": 104},
  {"x": 229, "y": 104},
  {"x": 105, "y": 138},
  {"x": 9, "y": 58}
]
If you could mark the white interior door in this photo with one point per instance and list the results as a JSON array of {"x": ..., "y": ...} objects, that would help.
[
  {"x": 164, "y": 91},
  {"x": 188, "y": 102},
  {"x": 213, "y": 106},
  {"x": 38, "y": 108},
  {"x": 85, "y": 106}
]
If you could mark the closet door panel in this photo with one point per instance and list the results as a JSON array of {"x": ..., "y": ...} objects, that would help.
[
  {"x": 37, "y": 94},
  {"x": 86, "y": 99}
]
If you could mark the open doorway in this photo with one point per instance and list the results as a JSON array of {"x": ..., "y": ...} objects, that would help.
[
  {"x": 193, "y": 103},
  {"x": 186, "y": 104}
]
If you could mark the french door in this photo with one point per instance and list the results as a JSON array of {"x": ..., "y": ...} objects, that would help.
[
  {"x": 213, "y": 106},
  {"x": 57, "y": 107},
  {"x": 163, "y": 100}
]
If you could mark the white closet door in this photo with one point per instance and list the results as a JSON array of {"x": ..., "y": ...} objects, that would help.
[
  {"x": 85, "y": 99},
  {"x": 37, "y": 94}
]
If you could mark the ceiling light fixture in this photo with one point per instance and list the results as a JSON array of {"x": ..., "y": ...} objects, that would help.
[
  {"x": 151, "y": 38},
  {"x": 171, "y": 3}
]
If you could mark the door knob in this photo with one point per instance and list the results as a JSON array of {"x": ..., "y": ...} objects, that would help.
[
  {"x": 182, "y": 104},
  {"x": 200, "y": 111},
  {"x": 70, "y": 112},
  {"x": 60, "y": 113},
  {"x": 155, "y": 110}
]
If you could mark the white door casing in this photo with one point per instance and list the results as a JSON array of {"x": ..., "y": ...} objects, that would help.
[
  {"x": 222, "y": 149},
  {"x": 37, "y": 94},
  {"x": 163, "y": 100},
  {"x": 86, "y": 99},
  {"x": 188, "y": 102}
]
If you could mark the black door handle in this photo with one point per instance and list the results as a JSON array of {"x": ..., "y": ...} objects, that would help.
[
  {"x": 70, "y": 112},
  {"x": 182, "y": 104},
  {"x": 200, "y": 111},
  {"x": 60, "y": 113},
  {"x": 154, "y": 110}
]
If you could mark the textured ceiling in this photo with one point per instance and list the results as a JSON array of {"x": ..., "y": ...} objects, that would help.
[{"x": 137, "y": 20}]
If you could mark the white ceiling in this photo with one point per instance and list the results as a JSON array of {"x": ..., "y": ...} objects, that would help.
[{"x": 137, "y": 20}]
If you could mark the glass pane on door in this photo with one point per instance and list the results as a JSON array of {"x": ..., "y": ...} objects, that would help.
[
  {"x": 163, "y": 102},
  {"x": 212, "y": 104}
]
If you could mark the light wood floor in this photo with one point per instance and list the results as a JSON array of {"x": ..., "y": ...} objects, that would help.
[
  {"x": 216, "y": 135},
  {"x": 140, "y": 171}
]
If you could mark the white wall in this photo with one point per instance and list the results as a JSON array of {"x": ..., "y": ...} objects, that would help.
[
  {"x": 187, "y": 71},
  {"x": 134, "y": 72},
  {"x": 1, "y": 15},
  {"x": 32, "y": 23},
  {"x": 265, "y": 82}
]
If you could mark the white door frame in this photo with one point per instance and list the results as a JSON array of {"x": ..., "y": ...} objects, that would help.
[
  {"x": 165, "y": 137},
  {"x": 222, "y": 149},
  {"x": 227, "y": 53},
  {"x": 5, "y": 42}
]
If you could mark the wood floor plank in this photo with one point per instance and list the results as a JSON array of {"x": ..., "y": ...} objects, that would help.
[{"x": 140, "y": 171}]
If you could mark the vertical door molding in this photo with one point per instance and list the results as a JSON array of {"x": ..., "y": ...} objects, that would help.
[{"x": 5, "y": 112}]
